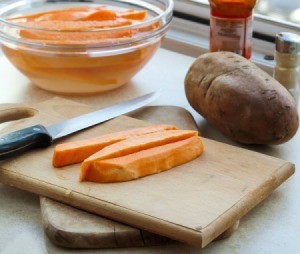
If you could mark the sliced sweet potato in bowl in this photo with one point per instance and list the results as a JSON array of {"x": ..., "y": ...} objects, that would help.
[
  {"x": 102, "y": 14},
  {"x": 136, "y": 15}
]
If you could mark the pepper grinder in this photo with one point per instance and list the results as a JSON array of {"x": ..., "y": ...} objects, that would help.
[{"x": 287, "y": 57}]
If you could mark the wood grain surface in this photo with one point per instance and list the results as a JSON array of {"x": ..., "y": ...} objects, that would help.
[{"x": 193, "y": 203}]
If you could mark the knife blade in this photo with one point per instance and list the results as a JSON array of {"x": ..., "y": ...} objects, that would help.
[{"x": 39, "y": 136}]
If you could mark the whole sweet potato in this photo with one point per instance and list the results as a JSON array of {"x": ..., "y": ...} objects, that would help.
[{"x": 242, "y": 101}]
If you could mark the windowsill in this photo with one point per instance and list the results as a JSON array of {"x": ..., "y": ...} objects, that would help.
[{"x": 192, "y": 39}]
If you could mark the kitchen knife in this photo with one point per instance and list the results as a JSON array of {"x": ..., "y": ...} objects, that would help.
[{"x": 18, "y": 142}]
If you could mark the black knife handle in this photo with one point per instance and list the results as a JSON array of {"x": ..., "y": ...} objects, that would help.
[{"x": 18, "y": 142}]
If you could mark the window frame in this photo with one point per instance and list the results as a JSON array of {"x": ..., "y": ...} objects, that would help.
[
  {"x": 189, "y": 34},
  {"x": 263, "y": 26}
]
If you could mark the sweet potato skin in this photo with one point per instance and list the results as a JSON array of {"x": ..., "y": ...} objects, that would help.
[{"x": 240, "y": 100}]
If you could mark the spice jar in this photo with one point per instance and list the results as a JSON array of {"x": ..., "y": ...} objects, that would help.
[
  {"x": 287, "y": 57},
  {"x": 231, "y": 26}
]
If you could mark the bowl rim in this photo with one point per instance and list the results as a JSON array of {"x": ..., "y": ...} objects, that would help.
[
  {"x": 165, "y": 13},
  {"x": 12, "y": 39}
]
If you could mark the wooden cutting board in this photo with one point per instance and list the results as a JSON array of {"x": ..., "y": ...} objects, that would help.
[
  {"x": 193, "y": 203},
  {"x": 70, "y": 227}
]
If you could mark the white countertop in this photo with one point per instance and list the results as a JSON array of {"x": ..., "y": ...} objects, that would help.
[{"x": 272, "y": 227}]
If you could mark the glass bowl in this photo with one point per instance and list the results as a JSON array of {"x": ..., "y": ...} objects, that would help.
[{"x": 80, "y": 61}]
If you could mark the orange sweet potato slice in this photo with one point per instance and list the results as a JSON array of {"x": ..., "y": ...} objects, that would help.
[
  {"x": 135, "y": 144},
  {"x": 77, "y": 151},
  {"x": 74, "y": 38},
  {"x": 150, "y": 27},
  {"x": 72, "y": 15},
  {"x": 146, "y": 162},
  {"x": 33, "y": 17},
  {"x": 136, "y": 15},
  {"x": 101, "y": 15},
  {"x": 77, "y": 25},
  {"x": 46, "y": 27},
  {"x": 63, "y": 16}
]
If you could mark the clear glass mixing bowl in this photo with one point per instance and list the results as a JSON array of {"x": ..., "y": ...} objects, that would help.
[{"x": 83, "y": 66}]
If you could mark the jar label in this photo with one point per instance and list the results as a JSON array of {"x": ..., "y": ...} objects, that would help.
[{"x": 234, "y": 35}]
